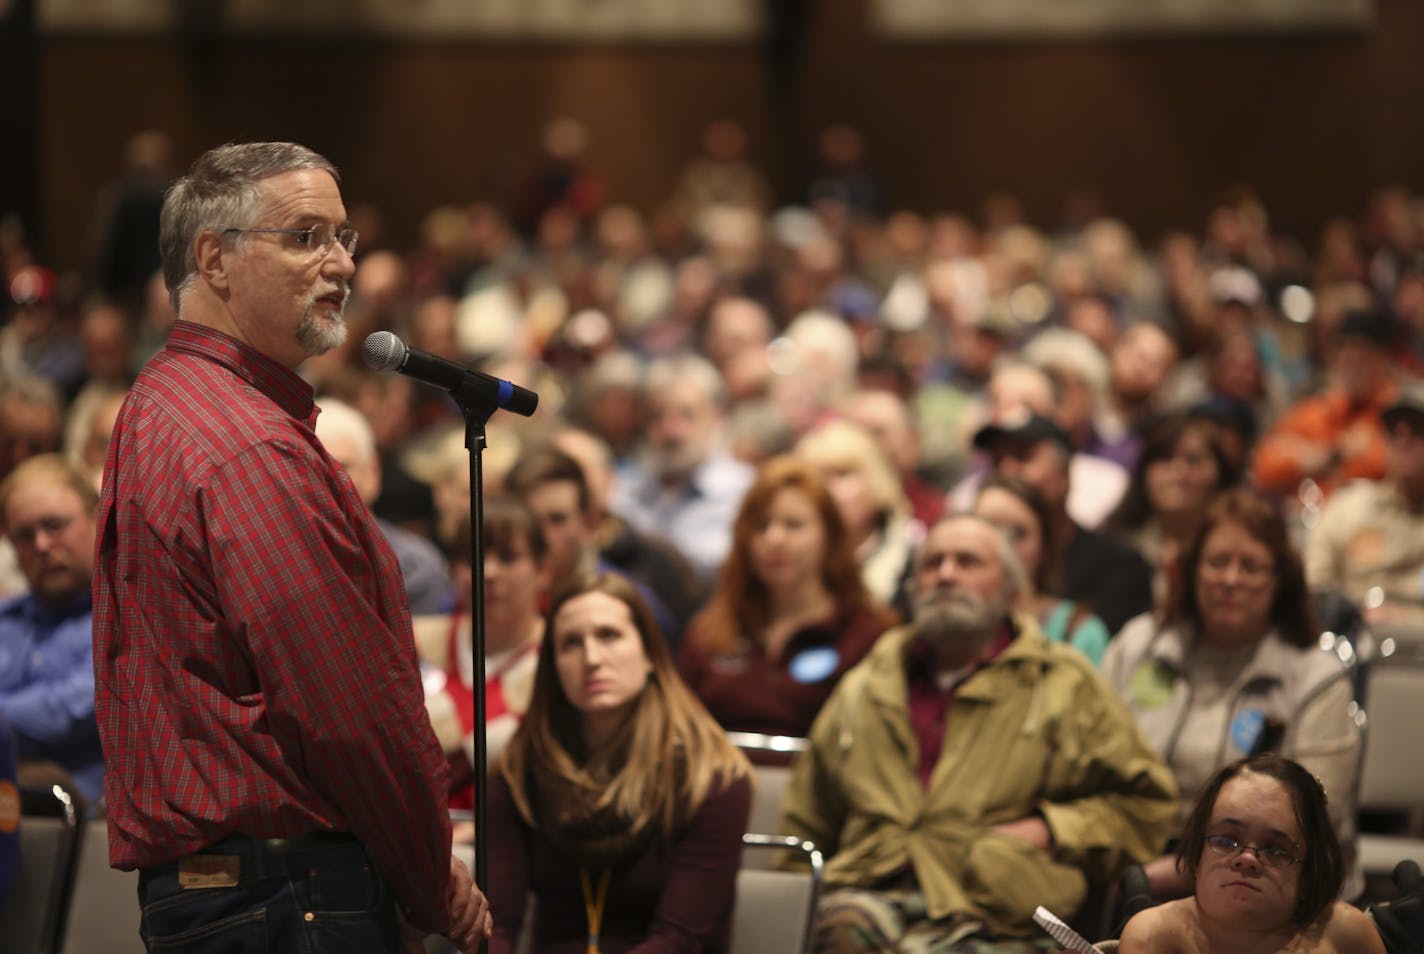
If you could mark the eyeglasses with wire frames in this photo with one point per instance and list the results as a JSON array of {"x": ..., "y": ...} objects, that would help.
[
  {"x": 1272, "y": 856},
  {"x": 314, "y": 238}
]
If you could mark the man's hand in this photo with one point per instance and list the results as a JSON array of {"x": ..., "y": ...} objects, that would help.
[
  {"x": 412, "y": 939},
  {"x": 1032, "y": 829},
  {"x": 470, "y": 920}
]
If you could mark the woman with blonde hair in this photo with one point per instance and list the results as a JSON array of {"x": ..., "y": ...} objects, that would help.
[
  {"x": 790, "y": 613},
  {"x": 619, "y": 803},
  {"x": 871, "y": 502}
]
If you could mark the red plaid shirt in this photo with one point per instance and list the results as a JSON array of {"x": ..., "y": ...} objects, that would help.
[{"x": 255, "y": 671}]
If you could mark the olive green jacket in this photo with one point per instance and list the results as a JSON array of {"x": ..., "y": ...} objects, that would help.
[{"x": 1033, "y": 731}]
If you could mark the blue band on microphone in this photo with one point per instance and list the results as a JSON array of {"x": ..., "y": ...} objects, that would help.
[{"x": 506, "y": 391}]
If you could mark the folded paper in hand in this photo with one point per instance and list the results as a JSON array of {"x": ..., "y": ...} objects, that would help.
[{"x": 1062, "y": 933}]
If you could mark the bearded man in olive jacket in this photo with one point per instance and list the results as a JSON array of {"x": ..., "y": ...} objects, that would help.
[{"x": 968, "y": 770}]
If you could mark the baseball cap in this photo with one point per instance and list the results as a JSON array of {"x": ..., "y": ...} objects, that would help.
[
  {"x": 31, "y": 284},
  {"x": 1369, "y": 325},
  {"x": 1408, "y": 402},
  {"x": 1028, "y": 430}
]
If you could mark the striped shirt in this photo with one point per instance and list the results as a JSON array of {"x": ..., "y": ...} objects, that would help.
[{"x": 255, "y": 671}]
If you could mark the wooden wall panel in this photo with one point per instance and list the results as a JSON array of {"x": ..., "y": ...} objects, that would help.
[{"x": 1157, "y": 126}]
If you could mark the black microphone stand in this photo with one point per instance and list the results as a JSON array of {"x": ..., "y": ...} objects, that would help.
[
  {"x": 478, "y": 396},
  {"x": 477, "y": 412}
]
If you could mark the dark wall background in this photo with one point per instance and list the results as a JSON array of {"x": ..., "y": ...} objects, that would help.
[
  {"x": 19, "y": 117},
  {"x": 1158, "y": 127}
]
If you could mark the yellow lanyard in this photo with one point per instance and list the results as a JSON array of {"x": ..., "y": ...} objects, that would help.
[{"x": 593, "y": 905}]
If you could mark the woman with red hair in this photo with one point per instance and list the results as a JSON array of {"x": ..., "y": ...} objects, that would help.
[{"x": 790, "y": 613}]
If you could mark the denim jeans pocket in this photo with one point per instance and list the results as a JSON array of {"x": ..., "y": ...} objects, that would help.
[
  {"x": 211, "y": 921},
  {"x": 349, "y": 909},
  {"x": 345, "y": 888}
]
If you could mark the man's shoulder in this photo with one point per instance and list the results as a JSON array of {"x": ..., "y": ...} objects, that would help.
[
  {"x": 15, "y": 607},
  {"x": 196, "y": 410},
  {"x": 886, "y": 660},
  {"x": 1363, "y": 500},
  {"x": 722, "y": 475}
]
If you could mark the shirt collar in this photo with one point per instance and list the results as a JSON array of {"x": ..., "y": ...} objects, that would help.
[
  {"x": 920, "y": 657},
  {"x": 283, "y": 385},
  {"x": 28, "y": 608}
]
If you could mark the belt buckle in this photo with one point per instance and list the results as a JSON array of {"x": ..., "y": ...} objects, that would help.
[{"x": 208, "y": 871}]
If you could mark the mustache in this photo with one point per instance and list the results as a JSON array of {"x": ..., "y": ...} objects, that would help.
[{"x": 341, "y": 288}]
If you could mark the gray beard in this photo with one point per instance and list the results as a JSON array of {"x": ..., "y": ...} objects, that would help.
[
  {"x": 958, "y": 625},
  {"x": 316, "y": 338}
]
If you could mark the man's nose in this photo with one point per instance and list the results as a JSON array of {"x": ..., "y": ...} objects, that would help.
[{"x": 338, "y": 261}]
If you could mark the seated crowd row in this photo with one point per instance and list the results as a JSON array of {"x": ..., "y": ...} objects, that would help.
[{"x": 1004, "y": 706}]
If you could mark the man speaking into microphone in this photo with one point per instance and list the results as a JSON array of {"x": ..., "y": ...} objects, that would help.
[
  {"x": 272, "y": 772},
  {"x": 472, "y": 390}
]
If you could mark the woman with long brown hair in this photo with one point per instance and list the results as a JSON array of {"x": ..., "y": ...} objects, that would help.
[
  {"x": 790, "y": 613},
  {"x": 619, "y": 803}
]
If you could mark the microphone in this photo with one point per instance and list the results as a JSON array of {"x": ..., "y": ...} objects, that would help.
[{"x": 383, "y": 351}]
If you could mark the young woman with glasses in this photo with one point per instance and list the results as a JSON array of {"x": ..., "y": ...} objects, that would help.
[{"x": 1266, "y": 869}]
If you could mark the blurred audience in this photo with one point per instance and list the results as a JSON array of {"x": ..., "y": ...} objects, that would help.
[
  {"x": 39, "y": 338},
  {"x": 516, "y": 579},
  {"x": 46, "y": 636},
  {"x": 1021, "y": 514},
  {"x": 815, "y": 318},
  {"x": 553, "y": 485},
  {"x": 790, "y": 613},
  {"x": 1368, "y": 545},
  {"x": 1017, "y": 391},
  {"x": 1335, "y": 436},
  {"x": 968, "y": 771},
  {"x": 646, "y": 558},
  {"x": 1101, "y": 572},
  {"x": 885, "y": 416},
  {"x": 684, "y": 485},
  {"x": 348, "y": 438},
  {"x": 618, "y": 793},
  {"x": 871, "y": 501},
  {"x": 1180, "y": 469},
  {"x": 1234, "y": 667}
]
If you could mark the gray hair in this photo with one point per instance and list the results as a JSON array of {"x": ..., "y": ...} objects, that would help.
[
  {"x": 665, "y": 373},
  {"x": 219, "y": 192},
  {"x": 338, "y": 417},
  {"x": 1063, "y": 348},
  {"x": 1015, "y": 579}
]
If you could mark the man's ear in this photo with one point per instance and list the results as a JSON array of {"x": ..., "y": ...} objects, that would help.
[{"x": 208, "y": 251}]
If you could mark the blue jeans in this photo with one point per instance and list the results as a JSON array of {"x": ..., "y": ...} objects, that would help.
[{"x": 311, "y": 895}]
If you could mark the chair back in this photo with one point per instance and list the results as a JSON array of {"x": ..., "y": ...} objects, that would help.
[
  {"x": 32, "y": 917},
  {"x": 103, "y": 906},
  {"x": 776, "y": 909},
  {"x": 771, "y": 756},
  {"x": 770, "y": 785},
  {"x": 1392, "y": 776}
]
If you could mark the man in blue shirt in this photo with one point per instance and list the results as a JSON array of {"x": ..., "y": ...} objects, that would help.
[
  {"x": 46, "y": 635},
  {"x": 685, "y": 485}
]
